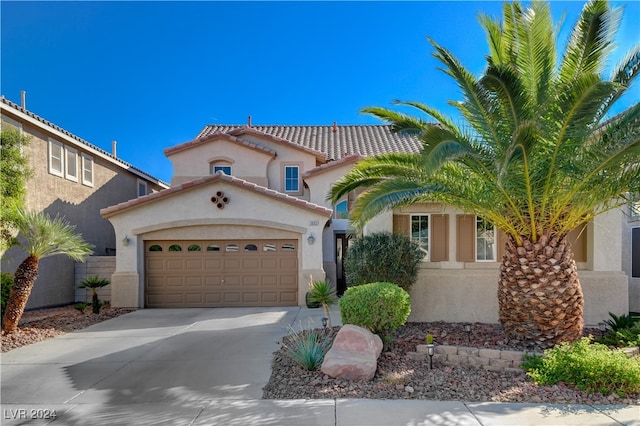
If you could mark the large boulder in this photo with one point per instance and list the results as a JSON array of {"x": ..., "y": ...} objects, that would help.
[{"x": 353, "y": 355}]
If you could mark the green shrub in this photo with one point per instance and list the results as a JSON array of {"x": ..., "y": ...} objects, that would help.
[
  {"x": 380, "y": 307},
  {"x": 6, "y": 282},
  {"x": 383, "y": 257},
  {"x": 621, "y": 338},
  {"x": 590, "y": 367},
  {"x": 621, "y": 322},
  {"x": 307, "y": 347}
]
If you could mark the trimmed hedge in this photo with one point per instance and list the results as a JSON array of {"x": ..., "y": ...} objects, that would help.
[{"x": 380, "y": 307}]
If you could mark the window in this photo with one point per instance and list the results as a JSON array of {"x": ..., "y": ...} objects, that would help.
[
  {"x": 56, "y": 158},
  {"x": 142, "y": 188},
  {"x": 175, "y": 247},
  {"x": 485, "y": 240},
  {"x": 213, "y": 247},
  {"x": 71, "y": 171},
  {"x": 269, "y": 247},
  {"x": 420, "y": 232},
  {"x": 87, "y": 170},
  {"x": 251, "y": 247},
  {"x": 155, "y": 247},
  {"x": 291, "y": 179},
  {"x": 224, "y": 169},
  {"x": 232, "y": 247},
  {"x": 194, "y": 247},
  {"x": 342, "y": 210},
  {"x": 288, "y": 247},
  {"x": 634, "y": 208}
]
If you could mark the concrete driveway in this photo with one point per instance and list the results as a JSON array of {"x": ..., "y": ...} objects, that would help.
[
  {"x": 162, "y": 359},
  {"x": 208, "y": 367}
]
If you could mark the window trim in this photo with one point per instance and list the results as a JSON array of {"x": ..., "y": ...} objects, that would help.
[
  {"x": 60, "y": 145},
  {"x": 427, "y": 257},
  {"x": 87, "y": 159},
  {"x": 298, "y": 168},
  {"x": 495, "y": 242}
]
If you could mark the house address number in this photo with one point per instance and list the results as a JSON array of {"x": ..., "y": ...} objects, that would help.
[{"x": 314, "y": 222}]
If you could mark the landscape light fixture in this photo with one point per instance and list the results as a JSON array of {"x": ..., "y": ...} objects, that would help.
[
  {"x": 324, "y": 322},
  {"x": 467, "y": 329},
  {"x": 603, "y": 328},
  {"x": 431, "y": 349}
]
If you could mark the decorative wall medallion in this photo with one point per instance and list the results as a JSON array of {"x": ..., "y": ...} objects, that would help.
[{"x": 220, "y": 200}]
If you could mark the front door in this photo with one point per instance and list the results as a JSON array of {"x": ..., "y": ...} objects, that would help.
[{"x": 342, "y": 243}]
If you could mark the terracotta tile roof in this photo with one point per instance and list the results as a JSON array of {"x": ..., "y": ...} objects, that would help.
[
  {"x": 354, "y": 158},
  {"x": 110, "y": 211},
  {"x": 108, "y": 156},
  {"x": 335, "y": 141},
  {"x": 251, "y": 131},
  {"x": 217, "y": 135}
]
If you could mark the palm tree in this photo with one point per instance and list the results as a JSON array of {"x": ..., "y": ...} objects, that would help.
[
  {"x": 43, "y": 237},
  {"x": 94, "y": 283},
  {"x": 534, "y": 156}
]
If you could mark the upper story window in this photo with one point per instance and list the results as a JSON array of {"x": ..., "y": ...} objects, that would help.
[
  {"x": 634, "y": 208},
  {"x": 220, "y": 166},
  {"x": 341, "y": 210},
  {"x": 224, "y": 169},
  {"x": 291, "y": 179},
  {"x": 420, "y": 232},
  {"x": 56, "y": 158},
  {"x": 71, "y": 171},
  {"x": 485, "y": 240},
  {"x": 142, "y": 188},
  {"x": 87, "y": 170}
]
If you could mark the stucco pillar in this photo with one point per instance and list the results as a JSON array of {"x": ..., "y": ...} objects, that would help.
[{"x": 606, "y": 241}]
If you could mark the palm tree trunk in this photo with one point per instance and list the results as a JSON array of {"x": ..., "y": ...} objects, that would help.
[
  {"x": 23, "y": 281},
  {"x": 539, "y": 294}
]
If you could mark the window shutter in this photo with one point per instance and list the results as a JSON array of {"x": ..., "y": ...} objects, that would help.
[
  {"x": 578, "y": 240},
  {"x": 439, "y": 237},
  {"x": 466, "y": 238},
  {"x": 401, "y": 224},
  {"x": 502, "y": 240}
]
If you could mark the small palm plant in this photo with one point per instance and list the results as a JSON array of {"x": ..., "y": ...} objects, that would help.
[
  {"x": 41, "y": 237},
  {"x": 323, "y": 292},
  {"x": 94, "y": 283}
]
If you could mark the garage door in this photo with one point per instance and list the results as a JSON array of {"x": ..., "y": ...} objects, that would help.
[{"x": 221, "y": 273}]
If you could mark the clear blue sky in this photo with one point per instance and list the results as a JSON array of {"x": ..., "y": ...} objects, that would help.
[{"x": 152, "y": 74}]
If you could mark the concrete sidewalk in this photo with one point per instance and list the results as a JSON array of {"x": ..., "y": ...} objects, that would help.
[{"x": 208, "y": 367}]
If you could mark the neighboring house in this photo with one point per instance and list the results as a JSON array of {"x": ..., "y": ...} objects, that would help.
[
  {"x": 246, "y": 223},
  {"x": 72, "y": 179}
]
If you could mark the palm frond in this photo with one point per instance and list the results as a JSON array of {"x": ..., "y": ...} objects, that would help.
[{"x": 46, "y": 237}]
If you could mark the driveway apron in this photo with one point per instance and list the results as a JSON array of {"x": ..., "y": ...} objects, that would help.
[{"x": 151, "y": 356}]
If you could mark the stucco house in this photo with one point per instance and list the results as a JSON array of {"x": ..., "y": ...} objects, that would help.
[
  {"x": 246, "y": 223},
  {"x": 74, "y": 179}
]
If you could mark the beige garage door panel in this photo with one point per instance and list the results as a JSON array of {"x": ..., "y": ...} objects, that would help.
[{"x": 221, "y": 273}]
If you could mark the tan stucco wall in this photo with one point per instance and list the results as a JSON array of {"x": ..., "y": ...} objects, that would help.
[
  {"x": 286, "y": 155},
  {"x": 628, "y": 223},
  {"x": 248, "y": 164},
  {"x": 191, "y": 214},
  {"x": 471, "y": 295}
]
